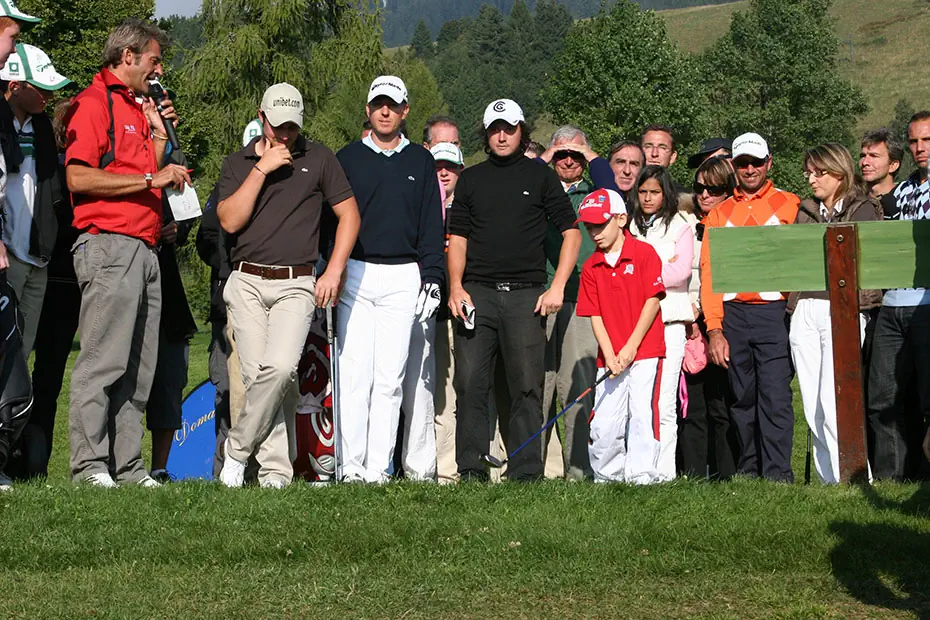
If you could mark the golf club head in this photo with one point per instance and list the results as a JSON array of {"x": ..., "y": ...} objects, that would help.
[{"x": 493, "y": 461}]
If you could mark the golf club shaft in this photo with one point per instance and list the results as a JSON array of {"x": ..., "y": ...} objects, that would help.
[
  {"x": 556, "y": 418},
  {"x": 807, "y": 459},
  {"x": 331, "y": 337}
]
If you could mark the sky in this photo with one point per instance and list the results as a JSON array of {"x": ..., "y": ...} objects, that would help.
[{"x": 164, "y": 8}]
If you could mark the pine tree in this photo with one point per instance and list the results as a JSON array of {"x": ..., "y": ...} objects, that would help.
[{"x": 422, "y": 42}]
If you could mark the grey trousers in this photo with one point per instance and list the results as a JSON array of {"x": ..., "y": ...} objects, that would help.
[
  {"x": 120, "y": 312},
  {"x": 571, "y": 357}
]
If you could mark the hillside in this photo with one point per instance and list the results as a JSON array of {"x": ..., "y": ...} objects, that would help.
[
  {"x": 890, "y": 42},
  {"x": 400, "y": 17}
]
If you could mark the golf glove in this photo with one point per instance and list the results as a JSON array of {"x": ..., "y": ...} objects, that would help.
[{"x": 428, "y": 302}]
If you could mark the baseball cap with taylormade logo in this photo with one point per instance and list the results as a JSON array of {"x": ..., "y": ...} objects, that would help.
[
  {"x": 281, "y": 104},
  {"x": 599, "y": 206},
  {"x": 752, "y": 145},
  {"x": 446, "y": 151},
  {"x": 30, "y": 64},
  {"x": 8, "y": 9},
  {"x": 388, "y": 86},
  {"x": 503, "y": 110}
]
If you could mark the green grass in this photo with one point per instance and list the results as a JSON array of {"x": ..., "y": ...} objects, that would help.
[
  {"x": 686, "y": 549},
  {"x": 890, "y": 42}
]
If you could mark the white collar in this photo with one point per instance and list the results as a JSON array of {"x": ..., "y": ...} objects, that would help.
[{"x": 404, "y": 142}]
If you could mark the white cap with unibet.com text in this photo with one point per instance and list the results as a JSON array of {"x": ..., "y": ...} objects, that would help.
[{"x": 281, "y": 104}]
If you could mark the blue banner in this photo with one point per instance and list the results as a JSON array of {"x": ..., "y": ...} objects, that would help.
[{"x": 194, "y": 444}]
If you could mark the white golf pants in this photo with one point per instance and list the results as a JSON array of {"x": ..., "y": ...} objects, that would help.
[
  {"x": 376, "y": 315},
  {"x": 419, "y": 450},
  {"x": 668, "y": 398},
  {"x": 812, "y": 351},
  {"x": 625, "y": 425}
]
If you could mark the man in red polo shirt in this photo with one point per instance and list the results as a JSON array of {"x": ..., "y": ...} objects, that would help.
[
  {"x": 621, "y": 286},
  {"x": 116, "y": 140}
]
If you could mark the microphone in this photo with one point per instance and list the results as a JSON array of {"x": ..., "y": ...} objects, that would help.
[{"x": 157, "y": 92}]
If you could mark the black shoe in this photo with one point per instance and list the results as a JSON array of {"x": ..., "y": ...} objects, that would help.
[{"x": 162, "y": 475}]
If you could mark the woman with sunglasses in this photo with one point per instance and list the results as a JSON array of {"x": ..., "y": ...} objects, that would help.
[
  {"x": 838, "y": 196},
  {"x": 657, "y": 221},
  {"x": 707, "y": 442}
]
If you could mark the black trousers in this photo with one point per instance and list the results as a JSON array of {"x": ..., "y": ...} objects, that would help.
[
  {"x": 899, "y": 390},
  {"x": 505, "y": 325},
  {"x": 58, "y": 324},
  {"x": 219, "y": 377},
  {"x": 760, "y": 378},
  {"x": 707, "y": 444}
]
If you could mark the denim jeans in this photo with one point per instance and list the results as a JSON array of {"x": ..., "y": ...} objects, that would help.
[{"x": 505, "y": 325}]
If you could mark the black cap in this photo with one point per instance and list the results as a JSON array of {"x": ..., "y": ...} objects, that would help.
[{"x": 708, "y": 147}]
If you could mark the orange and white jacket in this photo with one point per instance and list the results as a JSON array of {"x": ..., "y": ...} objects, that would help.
[{"x": 767, "y": 207}]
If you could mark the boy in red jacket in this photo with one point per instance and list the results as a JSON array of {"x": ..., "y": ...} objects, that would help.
[{"x": 621, "y": 285}]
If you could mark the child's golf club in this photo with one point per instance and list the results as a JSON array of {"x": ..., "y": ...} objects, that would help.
[{"x": 497, "y": 463}]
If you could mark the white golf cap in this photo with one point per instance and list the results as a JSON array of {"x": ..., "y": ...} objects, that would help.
[
  {"x": 8, "y": 9},
  {"x": 388, "y": 86},
  {"x": 281, "y": 104},
  {"x": 252, "y": 131},
  {"x": 30, "y": 64},
  {"x": 751, "y": 144},
  {"x": 503, "y": 110},
  {"x": 446, "y": 151}
]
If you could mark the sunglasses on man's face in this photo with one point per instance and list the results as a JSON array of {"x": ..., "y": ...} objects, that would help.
[
  {"x": 713, "y": 190},
  {"x": 564, "y": 154}
]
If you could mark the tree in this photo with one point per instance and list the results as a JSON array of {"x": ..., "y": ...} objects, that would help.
[
  {"x": 619, "y": 72},
  {"x": 72, "y": 32},
  {"x": 449, "y": 33},
  {"x": 328, "y": 43},
  {"x": 775, "y": 72},
  {"x": 422, "y": 42}
]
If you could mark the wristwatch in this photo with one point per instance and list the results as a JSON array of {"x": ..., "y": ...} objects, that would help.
[{"x": 148, "y": 180}]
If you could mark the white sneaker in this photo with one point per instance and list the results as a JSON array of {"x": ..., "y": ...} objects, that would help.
[
  {"x": 6, "y": 483},
  {"x": 149, "y": 483},
  {"x": 233, "y": 472},
  {"x": 272, "y": 484},
  {"x": 103, "y": 481}
]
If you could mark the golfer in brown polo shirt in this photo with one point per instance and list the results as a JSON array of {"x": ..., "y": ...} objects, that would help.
[{"x": 271, "y": 196}]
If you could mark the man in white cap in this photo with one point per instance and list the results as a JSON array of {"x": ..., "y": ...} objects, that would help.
[
  {"x": 497, "y": 267},
  {"x": 12, "y": 22},
  {"x": 747, "y": 331},
  {"x": 34, "y": 184},
  {"x": 270, "y": 201},
  {"x": 393, "y": 281}
]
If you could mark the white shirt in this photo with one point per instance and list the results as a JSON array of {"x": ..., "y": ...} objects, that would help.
[
  {"x": 367, "y": 141},
  {"x": 19, "y": 202},
  {"x": 837, "y": 207}
]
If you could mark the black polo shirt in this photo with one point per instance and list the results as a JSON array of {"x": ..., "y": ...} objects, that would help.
[{"x": 284, "y": 228}]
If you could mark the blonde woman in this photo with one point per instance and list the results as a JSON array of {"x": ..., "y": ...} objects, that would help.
[{"x": 838, "y": 196}]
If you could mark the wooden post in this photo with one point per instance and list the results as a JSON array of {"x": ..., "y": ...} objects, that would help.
[{"x": 843, "y": 281}]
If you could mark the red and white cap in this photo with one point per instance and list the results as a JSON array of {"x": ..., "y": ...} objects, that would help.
[{"x": 599, "y": 206}]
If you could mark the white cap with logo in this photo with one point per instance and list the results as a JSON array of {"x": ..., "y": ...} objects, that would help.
[
  {"x": 30, "y": 64},
  {"x": 388, "y": 86},
  {"x": 252, "y": 131},
  {"x": 751, "y": 144},
  {"x": 8, "y": 9},
  {"x": 503, "y": 110},
  {"x": 281, "y": 104},
  {"x": 446, "y": 151}
]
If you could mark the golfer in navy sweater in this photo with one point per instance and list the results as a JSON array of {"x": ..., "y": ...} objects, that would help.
[
  {"x": 393, "y": 278},
  {"x": 497, "y": 266}
]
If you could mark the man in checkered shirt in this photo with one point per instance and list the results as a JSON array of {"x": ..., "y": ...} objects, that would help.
[{"x": 899, "y": 376}]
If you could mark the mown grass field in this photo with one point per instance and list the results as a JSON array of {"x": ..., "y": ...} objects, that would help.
[
  {"x": 688, "y": 549},
  {"x": 890, "y": 45}
]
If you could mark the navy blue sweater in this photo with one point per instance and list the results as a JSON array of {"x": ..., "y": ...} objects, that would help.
[{"x": 398, "y": 199}]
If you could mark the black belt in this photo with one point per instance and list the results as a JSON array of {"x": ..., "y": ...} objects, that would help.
[
  {"x": 506, "y": 287},
  {"x": 274, "y": 273}
]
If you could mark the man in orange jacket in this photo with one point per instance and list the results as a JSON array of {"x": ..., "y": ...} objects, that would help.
[{"x": 747, "y": 331}]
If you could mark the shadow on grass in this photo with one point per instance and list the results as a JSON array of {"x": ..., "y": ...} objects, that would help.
[{"x": 886, "y": 564}]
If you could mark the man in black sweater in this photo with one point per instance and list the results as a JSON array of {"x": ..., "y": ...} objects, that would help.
[
  {"x": 497, "y": 265},
  {"x": 393, "y": 278}
]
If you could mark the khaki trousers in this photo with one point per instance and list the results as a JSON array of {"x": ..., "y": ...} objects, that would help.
[
  {"x": 269, "y": 321},
  {"x": 28, "y": 282}
]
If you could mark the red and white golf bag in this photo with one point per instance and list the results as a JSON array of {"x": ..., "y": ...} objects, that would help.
[{"x": 315, "y": 432}]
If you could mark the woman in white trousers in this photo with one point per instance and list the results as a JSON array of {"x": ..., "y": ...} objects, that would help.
[
  {"x": 657, "y": 220},
  {"x": 837, "y": 197}
]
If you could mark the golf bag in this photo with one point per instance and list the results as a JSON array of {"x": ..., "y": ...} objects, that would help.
[
  {"x": 15, "y": 382},
  {"x": 314, "y": 424}
]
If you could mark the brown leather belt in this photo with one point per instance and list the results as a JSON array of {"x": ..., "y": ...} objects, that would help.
[{"x": 274, "y": 273}]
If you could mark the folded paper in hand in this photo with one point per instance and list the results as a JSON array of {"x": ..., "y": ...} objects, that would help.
[{"x": 184, "y": 204}]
